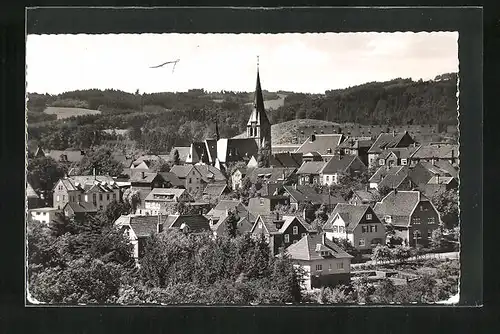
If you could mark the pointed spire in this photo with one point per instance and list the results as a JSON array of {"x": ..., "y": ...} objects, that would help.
[{"x": 259, "y": 99}]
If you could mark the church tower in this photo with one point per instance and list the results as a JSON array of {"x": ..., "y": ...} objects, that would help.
[{"x": 258, "y": 126}]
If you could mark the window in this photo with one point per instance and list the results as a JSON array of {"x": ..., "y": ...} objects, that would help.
[
  {"x": 107, "y": 197},
  {"x": 431, "y": 220},
  {"x": 368, "y": 216},
  {"x": 287, "y": 238},
  {"x": 261, "y": 201},
  {"x": 100, "y": 207},
  {"x": 38, "y": 213},
  {"x": 193, "y": 172},
  {"x": 319, "y": 267},
  {"x": 404, "y": 162},
  {"x": 429, "y": 234},
  {"x": 416, "y": 220},
  {"x": 86, "y": 198},
  {"x": 100, "y": 197},
  {"x": 327, "y": 178},
  {"x": 295, "y": 230},
  {"x": 381, "y": 162},
  {"x": 79, "y": 198},
  {"x": 364, "y": 229},
  {"x": 260, "y": 224},
  {"x": 341, "y": 229},
  {"x": 189, "y": 180},
  {"x": 375, "y": 228},
  {"x": 330, "y": 267},
  {"x": 94, "y": 198},
  {"x": 340, "y": 265},
  {"x": 335, "y": 228},
  {"x": 114, "y": 196},
  {"x": 388, "y": 219},
  {"x": 57, "y": 198},
  {"x": 44, "y": 213},
  {"x": 295, "y": 241},
  {"x": 64, "y": 197},
  {"x": 361, "y": 242},
  {"x": 303, "y": 235}
]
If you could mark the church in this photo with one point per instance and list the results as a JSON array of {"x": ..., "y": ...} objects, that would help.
[{"x": 219, "y": 152}]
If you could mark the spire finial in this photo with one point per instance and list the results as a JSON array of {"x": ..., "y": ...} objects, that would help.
[{"x": 257, "y": 62}]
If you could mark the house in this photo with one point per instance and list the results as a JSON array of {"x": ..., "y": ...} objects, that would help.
[
  {"x": 172, "y": 180},
  {"x": 33, "y": 199},
  {"x": 147, "y": 181},
  {"x": 309, "y": 172},
  {"x": 215, "y": 190},
  {"x": 97, "y": 190},
  {"x": 284, "y": 148},
  {"x": 399, "y": 180},
  {"x": 280, "y": 231},
  {"x": 338, "y": 165},
  {"x": 210, "y": 174},
  {"x": 412, "y": 215},
  {"x": 144, "y": 162},
  {"x": 220, "y": 227},
  {"x": 366, "y": 196},
  {"x": 286, "y": 159},
  {"x": 386, "y": 141},
  {"x": 188, "y": 223},
  {"x": 266, "y": 204},
  {"x": 324, "y": 262},
  {"x": 312, "y": 156},
  {"x": 397, "y": 156},
  {"x": 79, "y": 210},
  {"x": 358, "y": 146},
  {"x": 224, "y": 206},
  {"x": 272, "y": 175},
  {"x": 423, "y": 172},
  {"x": 437, "y": 185},
  {"x": 324, "y": 144},
  {"x": 237, "y": 178},
  {"x": 43, "y": 215},
  {"x": 382, "y": 172},
  {"x": 66, "y": 156},
  {"x": 198, "y": 154},
  {"x": 437, "y": 152},
  {"x": 138, "y": 229},
  {"x": 300, "y": 195},
  {"x": 357, "y": 223},
  {"x": 191, "y": 177},
  {"x": 164, "y": 200}
]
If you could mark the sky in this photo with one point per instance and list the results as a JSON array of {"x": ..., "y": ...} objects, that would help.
[{"x": 308, "y": 63}]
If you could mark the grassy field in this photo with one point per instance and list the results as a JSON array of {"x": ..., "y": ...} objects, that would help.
[{"x": 62, "y": 112}]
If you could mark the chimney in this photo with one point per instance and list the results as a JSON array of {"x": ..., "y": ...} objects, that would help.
[
  {"x": 313, "y": 138},
  {"x": 142, "y": 174},
  {"x": 323, "y": 238},
  {"x": 437, "y": 178},
  {"x": 393, "y": 133}
]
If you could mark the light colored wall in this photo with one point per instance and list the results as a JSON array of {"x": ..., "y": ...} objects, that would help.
[
  {"x": 329, "y": 266},
  {"x": 372, "y": 159},
  {"x": 44, "y": 217},
  {"x": 332, "y": 179}
]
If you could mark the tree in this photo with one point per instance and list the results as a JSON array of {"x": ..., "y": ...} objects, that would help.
[
  {"x": 447, "y": 205},
  {"x": 437, "y": 239},
  {"x": 383, "y": 191},
  {"x": 381, "y": 254},
  {"x": 159, "y": 166},
  {"x": 43, "y": 173},
  {"x": 116, "y": 209},
  {"x": 232, "y": 224},
  {"x": 133, "y": 198},
  {"x": 100, "y": 160},
  {"x": 177, "y": 160},
  {"x": 321, "y": 216}
]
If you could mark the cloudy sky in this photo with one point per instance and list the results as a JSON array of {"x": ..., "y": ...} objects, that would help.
[{"x": 309, "y": 63}]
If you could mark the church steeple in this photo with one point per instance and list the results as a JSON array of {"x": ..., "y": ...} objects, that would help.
[{"x": 258, "y": 125}]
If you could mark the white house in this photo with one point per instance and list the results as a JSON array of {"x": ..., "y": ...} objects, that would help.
[{"x": 44, "y": 215}]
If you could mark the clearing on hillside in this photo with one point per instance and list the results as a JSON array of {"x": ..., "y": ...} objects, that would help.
[{"x": 64, "y": 112}]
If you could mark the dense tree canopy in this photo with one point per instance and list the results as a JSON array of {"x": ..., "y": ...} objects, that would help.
[{"x": 102, "y": 161}]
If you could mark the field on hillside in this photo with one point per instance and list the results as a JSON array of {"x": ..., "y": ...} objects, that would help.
[
  {"x": 63, "y": 112},
  {"x": 272, "y": 104}
]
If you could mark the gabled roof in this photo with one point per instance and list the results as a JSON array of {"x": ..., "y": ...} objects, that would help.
[
  {"x": 181, "y": 171},
  {"x": 350, "y": 213},
  {"x": 82, "y": 207},
  {"x": 383, "y": 171},
  {"x": 307, "y": 248},
  {"x": 195, "y": 223},
  {"x": 86, "y": 182},
  {"x": 149, "y": 177},
  {"x": 441, "y": 167},
  {"x": 210, "y": 173},
  {"x": 356, "y": 142},
  {"x": 311, "y": 167},
  {"x": 290, "y": 219},
  {"x": 286, "y": 160},
  {"x": 243, "y": 225},
  {"x": 214, "y": 189},
  {"x": 338, "y": 164},
  {"x": 437, "y": 151},
  {"x": 172, "y": 179},
  {"x": 321, "y": 143},
  {"x": 366, "y": 195},
  {"x": 164, "y": 191},
  {"x": 399, "y": 152},
  {"x": 199, "y": 152},
  {"x": 211, "y": 145},
  {"x": 30, "y": 192},
  {"x": 308, "y": 194},
  {"x": 385, "y": 141},
  {"x": 400, "y": 205},
  {"x": 441, "y": 180},
  {"x": 270, "y": 174},
  {"x": 145, "y": 226},
  {"x": 223, "y": 206},
  {"x": 393, "y": 181}
]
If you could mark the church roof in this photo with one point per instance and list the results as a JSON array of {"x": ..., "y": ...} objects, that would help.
[{"x": 258, "y": 114}]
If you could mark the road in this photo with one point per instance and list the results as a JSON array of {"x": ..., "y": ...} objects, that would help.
[{"x": 441, "y": 256}]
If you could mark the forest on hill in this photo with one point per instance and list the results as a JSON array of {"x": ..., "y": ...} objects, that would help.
[{"x": 159, "y": 121}]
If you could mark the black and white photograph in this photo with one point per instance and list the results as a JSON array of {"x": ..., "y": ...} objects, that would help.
[{"x": 243, "y": 169}]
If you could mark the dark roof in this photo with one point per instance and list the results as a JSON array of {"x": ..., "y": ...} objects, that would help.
[
  {"x": 199, "y": 151},
  {"x": 338, "y": 164},
  {"x": 212, "y": 148},
  {"x": 385, "y": 141},
  {"x": 437, "y": 151},
  {"x": 214, "y": 189},
  {"x": 87, "y": 182},
  {"x": 270, "y": 174},
  {"x": 145, "y": 226},
  {"x": 164, "y": 191},
  {"x": 172, "y": 179},
  {"x": 137, "y": 177},
  {"x": 311, "y": 167},
  {"x": 350, "y": 213},
  {"x": 308, "y": 194},
  {"x": 82, "y": 207},
  {"x": 210, "y": 173},
  {"x": 196, "y": 223},
  {"x": 307, "y": 248},
  {"x": 181, "y": 170},
  {"x": 322, "y": 143},
  {"x": 356, "y": 142},
  {"x": 286, "y": 160},
  {"x": 366, "y": 195},
  {"x": 400, "y": 205},
  {"x": 243, "y": 225},
  {"x": 258, "y": 114},
  {"x": 393, "y": 181},
  {"x": 223, "y": 206},
  {"x": 383, "y": 171},
  {"x": 399, "y": 152}
]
